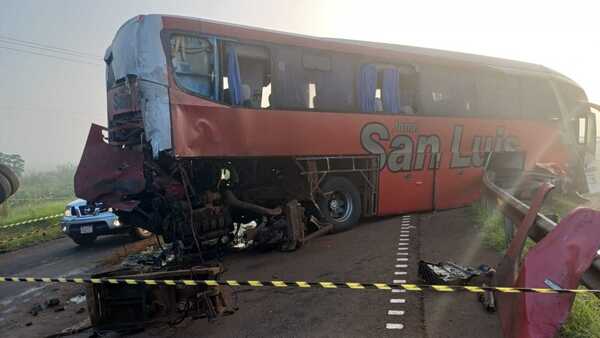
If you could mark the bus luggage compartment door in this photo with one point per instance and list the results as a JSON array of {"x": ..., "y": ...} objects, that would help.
[
  {"x": 405, "y": 191},
  {"x": 457, "y": 187}
]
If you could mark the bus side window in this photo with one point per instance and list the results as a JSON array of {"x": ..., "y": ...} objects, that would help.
[
  {"x": 312, "y": 95},
  {"x": 497, "y": 94},
  {"x": 386, "y": 88},
  {"x": 192, "y": 60},
  {"x": 265, "y": 100},
  {"x": 246, "y": 85},
  {"x": 582, "y": 132},
  {"x": 378, "y": 101},
  {"x": 330, "y": 80},
  {"x": 408, "y": 89},
  {"x": 289, "y": 89},
  {"x": 572, "y": 96},
  {"x": 537, "y": 98},
  {"x": 448, "y": 91}
]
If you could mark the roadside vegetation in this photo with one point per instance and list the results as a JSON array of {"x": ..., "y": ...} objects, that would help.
[
  {"x": 41, "y": 194},
  {"x": 584, "y": 320}
]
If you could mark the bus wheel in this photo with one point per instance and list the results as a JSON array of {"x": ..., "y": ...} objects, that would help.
[{"x": 340, "y": 204}]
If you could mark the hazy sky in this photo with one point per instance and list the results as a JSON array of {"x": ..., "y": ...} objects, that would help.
[{"x": 47, "y": 104}]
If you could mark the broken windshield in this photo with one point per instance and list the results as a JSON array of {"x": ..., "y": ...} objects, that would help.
[{"x": 193, "y": 64}]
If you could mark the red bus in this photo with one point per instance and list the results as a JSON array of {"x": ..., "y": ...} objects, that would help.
[{"x": 213, "y": 125}]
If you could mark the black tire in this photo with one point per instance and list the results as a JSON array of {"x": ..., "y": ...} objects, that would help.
[
  {"x": 12, "y": 178},
  {"x": 340, "y": 204},
  {"x": 84, "y": 240},
  {"x": 139, "y": 233}
]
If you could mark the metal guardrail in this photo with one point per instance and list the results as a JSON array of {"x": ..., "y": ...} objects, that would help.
[{"x": 515, "y": 210}]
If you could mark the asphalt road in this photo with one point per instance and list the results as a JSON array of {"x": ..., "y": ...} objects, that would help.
[
  {"x": 60, "y": 258},
  {"x": 378, "y": 250},
  {"x": 381, "y": 250}
]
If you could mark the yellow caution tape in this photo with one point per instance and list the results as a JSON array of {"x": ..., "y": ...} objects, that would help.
[
  {"x": 294, "y": 284},
  {"x": 34, "y": 220}
]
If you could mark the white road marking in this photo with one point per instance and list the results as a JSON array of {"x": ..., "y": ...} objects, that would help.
[
  {"x": 395, "y": 313},
  {"x": 403, "y": 244}
]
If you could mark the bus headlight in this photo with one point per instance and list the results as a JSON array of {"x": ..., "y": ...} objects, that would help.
[
  {"x": 64, "y": 228},
  {"x": 116, "y": 222},
  {"x": 68, "y": 212}
]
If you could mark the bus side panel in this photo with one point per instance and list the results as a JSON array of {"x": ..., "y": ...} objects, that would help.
[
  {"x": 404, "y": 192},
  {"x": 457, "y": 187}
]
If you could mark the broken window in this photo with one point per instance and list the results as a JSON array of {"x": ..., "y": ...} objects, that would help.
[
  {"x": 110, "y": 74},
  {"x": 246, "y": 75},
  {"x": 192, "y": 59}
]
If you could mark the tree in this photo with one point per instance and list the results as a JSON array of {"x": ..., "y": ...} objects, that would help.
[{"x": 14, "y": 161}]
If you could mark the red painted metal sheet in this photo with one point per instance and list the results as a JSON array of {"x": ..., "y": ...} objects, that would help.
[
  {"x": 458, "y": 187},
  {"x": 561, "y": 257},
  {"x": 106, "y": 173},
  {"x": 508, "y": 268},
  {"x": 405, "y": 192},
  {"x": 217, "y": 131}
]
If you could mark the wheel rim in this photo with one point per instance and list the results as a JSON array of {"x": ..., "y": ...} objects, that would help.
[{"x": 340, "y": 206}]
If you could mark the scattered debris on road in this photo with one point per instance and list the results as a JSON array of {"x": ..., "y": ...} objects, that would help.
[
  {"x": 130, "y": 308},
  {"x": 37, "y": 308},
  {"x": 78, "y": 299},
  {"x": 51, "y": 302},
  {"x": 450, "y": 273}
]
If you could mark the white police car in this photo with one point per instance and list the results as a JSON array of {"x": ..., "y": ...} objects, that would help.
[{"x": 84, "y": 223}]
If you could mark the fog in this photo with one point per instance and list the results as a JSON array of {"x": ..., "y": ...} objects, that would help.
[{"x": 47, "y": 102}]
